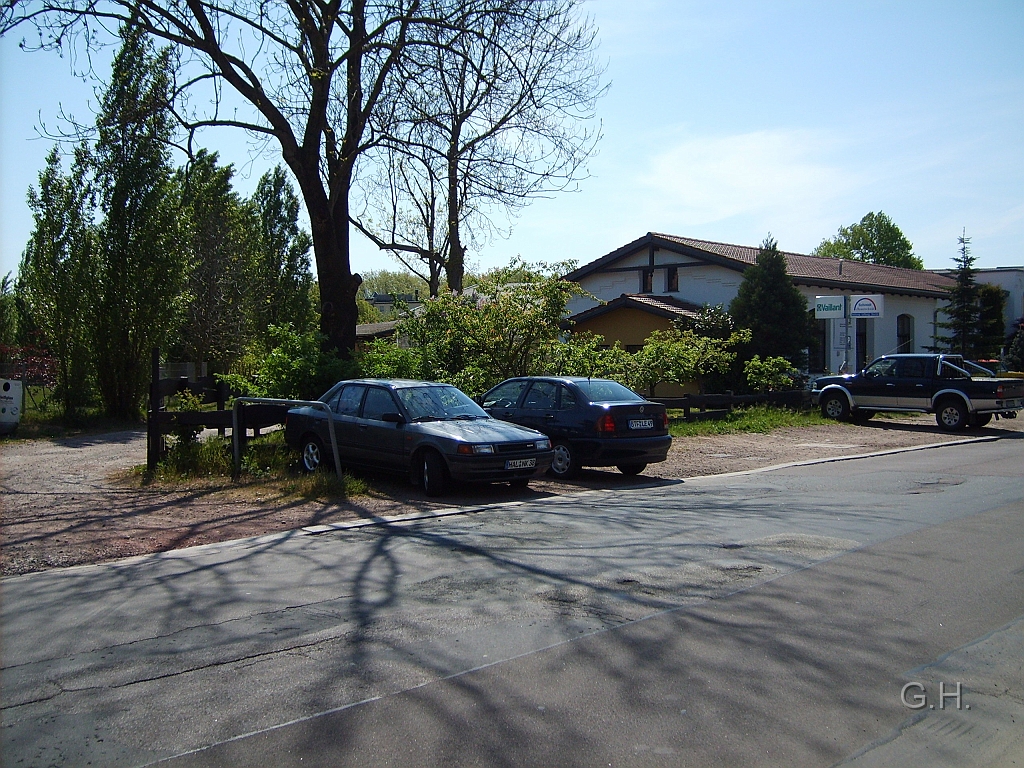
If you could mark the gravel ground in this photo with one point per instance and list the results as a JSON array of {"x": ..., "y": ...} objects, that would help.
[{"x": 65, "y": 502}]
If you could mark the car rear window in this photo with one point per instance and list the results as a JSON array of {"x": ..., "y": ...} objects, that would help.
[{"x": 605, "y": 391}]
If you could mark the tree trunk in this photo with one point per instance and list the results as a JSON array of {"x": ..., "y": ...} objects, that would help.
[
  {"x": 338, "y": 286},
  {"x": 456, "y": 253}
]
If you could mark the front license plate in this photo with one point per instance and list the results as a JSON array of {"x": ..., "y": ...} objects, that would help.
[
  {"x": 641, "y": 423},
  {"x": 520, "y": 463}
]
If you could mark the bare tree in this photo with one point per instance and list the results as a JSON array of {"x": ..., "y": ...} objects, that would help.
[
  {"x": 404, "y": 212},
  {"x": 497, "y": 111},
  {"x": 311, "y": 73}
]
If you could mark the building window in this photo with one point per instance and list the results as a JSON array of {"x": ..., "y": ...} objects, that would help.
[
  {"x": 634, "y": 348},
  {"x": 646, "y": 281},
  {"x": 905, "y": 333},
  {"x": 672, "y": 280}
]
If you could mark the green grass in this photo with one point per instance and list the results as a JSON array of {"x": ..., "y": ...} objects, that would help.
[
  {"x": 268, "y": 464},
  {"x": 757, "y": 418}
]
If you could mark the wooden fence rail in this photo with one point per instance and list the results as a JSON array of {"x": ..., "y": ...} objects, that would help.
[{"x": 700, "y": 407}]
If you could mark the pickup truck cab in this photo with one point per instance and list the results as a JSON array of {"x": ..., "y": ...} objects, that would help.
[{"x": 959, "y": 393}]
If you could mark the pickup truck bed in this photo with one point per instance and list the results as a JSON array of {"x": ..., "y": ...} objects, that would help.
[{"x": 939, "y": 384}]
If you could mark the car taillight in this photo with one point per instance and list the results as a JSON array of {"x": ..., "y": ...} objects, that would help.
[
  {"x": 999, "y": 391},
  {"x": 606, "y": 423},
  {"x": 664, "y": 420}
]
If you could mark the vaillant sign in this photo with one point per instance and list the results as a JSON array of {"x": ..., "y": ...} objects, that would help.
[
  {"x": 866, "y": 306},
  {"x": 829, "y": 307}
]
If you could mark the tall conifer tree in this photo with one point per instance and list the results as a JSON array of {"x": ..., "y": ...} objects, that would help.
[
  {"x": 142, "y": 266},
  {"x": 772, "y": 308}
]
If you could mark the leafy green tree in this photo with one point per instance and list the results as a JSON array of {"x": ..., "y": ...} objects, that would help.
[
  {"x": 141, "y": 266},
  {"x": 505, "y": 329},
  {"x": 963, "y": 311},
  {"x": 772, "y": 308},
  {"x": 711, "y": 321},
  {"x": 769, "y": 375},
  {"x": 384, "y": 281},
  {"x": 681, "y": 357},
  {"x": 283, "y": 273},
  {"x": 991, "y": 305},
  {"x": 56, "y": 275},
  {"x": 875, "y": 239},
  {"x": 297, "y": 367},
  {"x": 8, "y": 318},
  {"x": 585, "y": 354},
  {"x": 1014, "y": 357},
  {"x": 215, "y": 229}
]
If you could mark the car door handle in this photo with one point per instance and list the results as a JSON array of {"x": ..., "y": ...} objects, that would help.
[
  {"x": 919, "y": 386},
  {"x": 890, "y": 385},
  {"x": 549, "y": 415},
  {"x": 364, "y": 426}
]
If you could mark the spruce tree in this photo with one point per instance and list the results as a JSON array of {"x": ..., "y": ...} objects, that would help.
[
  {"x": 772, "y": 308},
  {"x": 963, "y": 311}
]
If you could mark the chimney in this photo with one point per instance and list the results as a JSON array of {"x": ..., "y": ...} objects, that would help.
[{"x": 840, "y": 267}]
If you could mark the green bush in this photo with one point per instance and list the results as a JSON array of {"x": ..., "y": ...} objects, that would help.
[
  {"x": 773, "y": 374},
  {"x": 297, "y": 368}
]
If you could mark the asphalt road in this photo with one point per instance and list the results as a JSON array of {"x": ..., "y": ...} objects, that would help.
[{"x": 769, "y": 618}]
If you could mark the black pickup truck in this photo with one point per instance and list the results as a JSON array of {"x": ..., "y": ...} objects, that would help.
[{"x": 939, "y": 384}]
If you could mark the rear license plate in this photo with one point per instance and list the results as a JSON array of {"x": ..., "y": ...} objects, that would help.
[
  {"x": 520, "y": 463},
  {"x": 641, "y": 423},
  {"x": 1013, "y": 403}
]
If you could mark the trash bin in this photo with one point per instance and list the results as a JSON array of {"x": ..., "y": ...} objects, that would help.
[{"x": 10, "y": 406}]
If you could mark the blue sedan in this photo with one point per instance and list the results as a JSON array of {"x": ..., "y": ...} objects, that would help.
[
  {"x": 432, "y": 432},
  {"x": 591, "y": 422}
]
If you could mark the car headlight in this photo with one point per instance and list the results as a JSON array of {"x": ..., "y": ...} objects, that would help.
[
  {"x": 468, "y": 450},
  {"x": 543, "y": 445}
]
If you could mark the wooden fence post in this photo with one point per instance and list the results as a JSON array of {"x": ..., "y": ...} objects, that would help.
[{"x": 153, "y": 436}]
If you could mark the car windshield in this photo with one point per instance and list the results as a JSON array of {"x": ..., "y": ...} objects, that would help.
[
  {"x": 604, "y": 391},
  {"x": 438, "y": 404}
]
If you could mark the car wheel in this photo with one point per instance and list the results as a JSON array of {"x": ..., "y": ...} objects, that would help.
[
  {"x": 632, "y": 469},
  {"x": 835, "y": 406},
  {"x": 563, "y": 463},
  {"x": 433, "y": 473},
  {"x": 313, "y": 456},
  {"x": 980, "y": 419},
  {"x": 862, "y": 417},
  {"x": 952, "y": 415}
]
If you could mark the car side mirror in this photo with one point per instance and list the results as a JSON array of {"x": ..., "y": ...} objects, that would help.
[{"x": 393, "y": 418}]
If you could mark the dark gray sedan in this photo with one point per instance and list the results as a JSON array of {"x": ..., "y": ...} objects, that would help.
[{"x": 432, "y": 432}]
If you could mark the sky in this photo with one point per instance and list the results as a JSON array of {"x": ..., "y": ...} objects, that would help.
[{"x": 724, "y": 121}]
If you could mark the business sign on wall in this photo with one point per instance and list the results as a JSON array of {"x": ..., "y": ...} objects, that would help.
[
  {"x": 871, "y": 305},
  {"x": 829, "y": 307}
]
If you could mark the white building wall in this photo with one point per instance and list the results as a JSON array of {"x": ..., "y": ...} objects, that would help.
[
  {"x": 1010, "y": 279},
  {"x": 712, "y": 284}
]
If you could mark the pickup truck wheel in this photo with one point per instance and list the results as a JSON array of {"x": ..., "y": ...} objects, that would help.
[
  {"x": 835, "y": 406},
  {"x": 951, "y": 415},
  {"x": 980, "y": 419}
]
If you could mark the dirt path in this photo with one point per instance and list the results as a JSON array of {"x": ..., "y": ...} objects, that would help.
[{"x": 62, "y": 505}]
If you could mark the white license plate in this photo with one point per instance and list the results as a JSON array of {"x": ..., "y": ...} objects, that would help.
[
  {"x": 641, "y": 423},
  {"x": 520, "y": 463}
]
